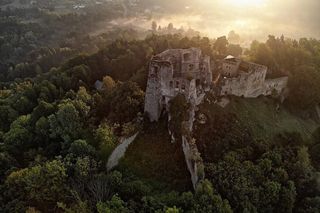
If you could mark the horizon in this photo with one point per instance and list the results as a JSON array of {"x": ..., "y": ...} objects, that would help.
[{"x": 252, "y": 19}]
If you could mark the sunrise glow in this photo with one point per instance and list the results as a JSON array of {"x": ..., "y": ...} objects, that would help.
[{"x": 247, "y": 3}]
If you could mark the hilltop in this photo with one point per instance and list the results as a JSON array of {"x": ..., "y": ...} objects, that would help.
[{"x": 57, "y": 131}]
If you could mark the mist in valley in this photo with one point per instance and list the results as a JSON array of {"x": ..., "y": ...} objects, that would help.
[{"x": 252, "y": 19}]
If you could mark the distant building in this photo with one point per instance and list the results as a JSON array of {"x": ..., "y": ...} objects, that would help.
[{"x": 99, "y": 85}]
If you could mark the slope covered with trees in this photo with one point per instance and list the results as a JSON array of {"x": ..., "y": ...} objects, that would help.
[
  {"x": 258, "y": 157},
  {"x": 57, "y": 131}
]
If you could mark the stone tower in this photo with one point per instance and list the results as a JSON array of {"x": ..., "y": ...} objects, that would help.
[{"x": 176, "y": 71}]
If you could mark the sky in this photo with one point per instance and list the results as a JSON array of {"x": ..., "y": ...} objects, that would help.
[{"x": 252, "y": 19}]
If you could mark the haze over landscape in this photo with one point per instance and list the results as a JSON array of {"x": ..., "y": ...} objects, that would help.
[
  {"x": 253, "y": 19},
  {"x": 159, "y": 106}
]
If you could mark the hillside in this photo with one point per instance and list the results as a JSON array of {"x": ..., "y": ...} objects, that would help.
[
  {"x": 266, "y": 121},
  {"x": 263, "y": 118},
  {"x": 244, "y": 122},
  {"x": 250, "y": 149},
  {"x": 155, "y": 159},
  {"x": 57, "y": 131}
]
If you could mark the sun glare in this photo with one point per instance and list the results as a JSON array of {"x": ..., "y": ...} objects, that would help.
[{"x": 247, "y": 3}]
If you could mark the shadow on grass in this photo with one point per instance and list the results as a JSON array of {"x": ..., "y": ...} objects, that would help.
[{"x": 154, "y": 159}]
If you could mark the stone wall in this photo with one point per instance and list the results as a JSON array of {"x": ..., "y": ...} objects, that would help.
[
  {"x": 119, "y": 152},
  {"x": 173, "y": 72},
  {"x": 192, "y": 156},
  {"x": 230, "y": 69},
  {"x": 193, "y": 160},
  {"x": 275, "y": 86},
  {"x": 246, "y": 79},
  {"x": 249, "y": 85},
  {"x": 252, "y": 84}
]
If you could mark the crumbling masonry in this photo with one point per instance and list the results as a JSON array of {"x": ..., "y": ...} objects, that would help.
[
  {"x": 241, "y": 78},
  {"x": 176, "y": 71},
  {"x": 179, "y": 71},
  {"x": 188, "y": 72}
]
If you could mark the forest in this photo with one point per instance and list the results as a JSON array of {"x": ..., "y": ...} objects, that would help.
[
  {"x": 32, "y": 40},
  {"x": 58, "y": 129},
  {"x": 57, "y": 132}
]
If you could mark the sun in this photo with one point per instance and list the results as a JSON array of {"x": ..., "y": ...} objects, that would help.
[{"x": 247, "y": 3}]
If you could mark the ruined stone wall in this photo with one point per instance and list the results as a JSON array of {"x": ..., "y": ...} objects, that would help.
[
  {"x": 190, "y": 60},
  {"x": 187, "y": 72},
  {"x": 275, "y": 86},
  {"x": 173, "y": 72},
  {"x": 257, "y": 68},
  {"x": 162, "y": 87},
  {"x": 234, "y": 86},
  {"x": 192, "y": 156},
  {"x": 253, "y": 83},
  {"x": 248, "y": 80},
  {"x": 256, "y": 81},
  {"x": 230, "y": 68},
  {"x": 119, "y": 152},
  {"x": 206, "y": 73},
  {"x": 152, "y": 102},
  {"x": 193, "y": 160}
]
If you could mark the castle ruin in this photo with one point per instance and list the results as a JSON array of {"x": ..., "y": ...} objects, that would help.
[
  {"x": 173, "y": 72},
  {"x": 188, "y": 72},
  {"x": 176, "y": 71}
]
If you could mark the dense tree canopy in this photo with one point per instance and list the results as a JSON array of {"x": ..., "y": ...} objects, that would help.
[{"x": 57, "y": 132}]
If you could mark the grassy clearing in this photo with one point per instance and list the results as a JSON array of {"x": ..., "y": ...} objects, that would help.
[
  {"x": 261, "y": 116},
  {"x": 154, "y": 159}
]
